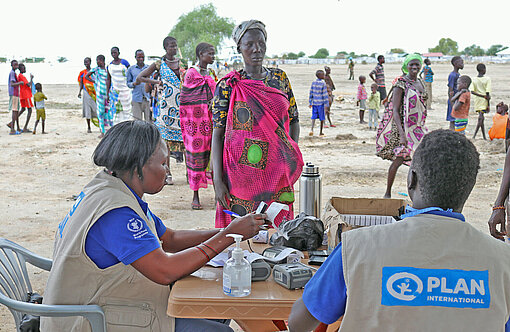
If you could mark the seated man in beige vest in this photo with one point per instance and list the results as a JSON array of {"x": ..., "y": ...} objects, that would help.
[{"x": 431, "y": 271}]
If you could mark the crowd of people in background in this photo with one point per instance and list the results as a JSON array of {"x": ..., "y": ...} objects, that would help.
[{"x": 166, "y": 93}]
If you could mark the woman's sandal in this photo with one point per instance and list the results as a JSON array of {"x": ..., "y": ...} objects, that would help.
[{"x": 196, "y": 206}]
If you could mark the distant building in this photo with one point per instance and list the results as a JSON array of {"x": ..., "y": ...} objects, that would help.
[{"x": 437, "y": 56}]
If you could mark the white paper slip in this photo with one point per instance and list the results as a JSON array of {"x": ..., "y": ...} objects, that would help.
[
  {"x": 283, "y": 254},
  {"x": 221, "y": 259}
]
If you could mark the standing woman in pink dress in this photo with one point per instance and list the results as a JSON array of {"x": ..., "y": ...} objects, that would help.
[{"x": 196, "y": 120}]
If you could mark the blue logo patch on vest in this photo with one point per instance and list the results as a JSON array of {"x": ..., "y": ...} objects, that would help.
[
  {"x": 63, "y": 223},
  {"x": 410, "y": 286}
]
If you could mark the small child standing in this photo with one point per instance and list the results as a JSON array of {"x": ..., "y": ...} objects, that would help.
[
  {"x": 461, "y": 102},
  {"x": 362, "y": 98},
  {"x": 457, "y": 64},
  {"x": 39, "y": 98},
  {"x": 429, "y": 78},
  {"x": 318, "y": 100},
  {"x": 374, "y": 104},
  {"x": 481, "y": 89}
]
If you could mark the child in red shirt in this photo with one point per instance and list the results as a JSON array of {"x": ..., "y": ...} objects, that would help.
[{"x": 462, "y": 101}]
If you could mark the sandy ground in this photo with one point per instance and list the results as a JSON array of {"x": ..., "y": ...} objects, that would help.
[{"x": 42, "y": 172}]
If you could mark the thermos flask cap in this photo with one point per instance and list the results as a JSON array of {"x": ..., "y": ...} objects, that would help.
[{"x": 310, "y": 169}]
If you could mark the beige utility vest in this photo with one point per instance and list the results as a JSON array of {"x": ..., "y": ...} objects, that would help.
[
  {"x": 415, "y": 275},
  {"x": 131, "y": 301}
]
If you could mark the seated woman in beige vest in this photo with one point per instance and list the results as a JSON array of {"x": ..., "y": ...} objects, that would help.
[
  {"x": 431, "y": 271},
  {"x": 111, "y": 250}
]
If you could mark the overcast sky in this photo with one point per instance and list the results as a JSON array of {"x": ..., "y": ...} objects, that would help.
[{"x": 76, "y": 29}]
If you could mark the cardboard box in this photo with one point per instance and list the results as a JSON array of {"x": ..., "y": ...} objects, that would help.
[{"x": 336, "y": 206}]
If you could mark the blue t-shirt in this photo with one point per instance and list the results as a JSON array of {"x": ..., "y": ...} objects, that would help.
[
  {"x": 325, "y": 295},
  {"x": 120, "y": 235},
  {"x": 452, "y": 81},
  {"x": 429, "y": 74}
]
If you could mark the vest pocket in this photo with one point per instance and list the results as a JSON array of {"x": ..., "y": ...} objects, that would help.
[{"x": 124, "y": 315}]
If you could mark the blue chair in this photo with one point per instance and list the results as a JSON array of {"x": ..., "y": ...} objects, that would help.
[{"x": 15, "y": 286}]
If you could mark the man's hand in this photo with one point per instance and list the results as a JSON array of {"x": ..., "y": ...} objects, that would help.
[{"x": 79, "y": 94}]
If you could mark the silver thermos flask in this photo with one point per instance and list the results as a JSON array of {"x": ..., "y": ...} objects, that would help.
[{"x": 310, "y": 187}]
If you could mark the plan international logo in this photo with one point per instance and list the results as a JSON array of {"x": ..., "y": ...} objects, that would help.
[{"x": 409, "y": 286}]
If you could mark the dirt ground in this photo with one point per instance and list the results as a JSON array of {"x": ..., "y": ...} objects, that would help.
[{"x": 42, "y": 172}]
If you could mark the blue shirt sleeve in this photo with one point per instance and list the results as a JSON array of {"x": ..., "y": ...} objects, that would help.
[
  {"x": 120, "y": 235},
  {"x": 310, "y": 97},
  {"x": 125, "y": 63},
  {"x": 160, "y": 227},
  {"x": 325, "y": 295},
  {"x": 129, "y": 78},
  {"x": 325, "y": 95},
  {"x": 507, "y": 326}
]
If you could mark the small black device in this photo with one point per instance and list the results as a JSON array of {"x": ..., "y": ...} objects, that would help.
[{"x": 317, "y": 260}]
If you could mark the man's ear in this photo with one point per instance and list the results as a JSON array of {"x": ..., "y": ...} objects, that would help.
[{"x": 412, "y": 180}]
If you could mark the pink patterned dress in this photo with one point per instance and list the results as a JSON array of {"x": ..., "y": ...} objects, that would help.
[
  {"x": 196, "y": 125},
  {"x": 413, "y": 114},
  {"x": 261, "y": 162}
]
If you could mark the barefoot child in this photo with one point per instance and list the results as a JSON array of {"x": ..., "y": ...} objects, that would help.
[
  {"x": 461, "y": 102},
  {"x": 457, "y": 64},
  {"x": 318, "y": 100},
  {"x": 331, "y": 88},
  {"x": 429, "y": 78},
  {"x": 362, "y": 98},
  {"x": 374, "y": 104},
  {"x": 39, "y": 98},
  {"x": 481, "y": 89}
]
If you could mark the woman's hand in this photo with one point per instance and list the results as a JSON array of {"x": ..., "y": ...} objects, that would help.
[
  {"x": 498, "y": 218},
  {"x": 221, "y": 193},
  {"x": 248, "y": 226}
]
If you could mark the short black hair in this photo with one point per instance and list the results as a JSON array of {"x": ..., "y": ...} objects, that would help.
[
  {"x": 115, "y": 48},
  {"x": 87, "y": 58},
  {"x": 21, "y": 64},
  {"x": 38, "y": 86},
  {"x": 138, "y": 50},
  {"x": 201, "y": 48},
  {"x": 13, "y": 61},
  {"x": 455, "y": 58},
  {"x": 360, "y": 77},
  {"x": 100, "y": 57},
  {"x": 318, "y": 72},
  {"x": 167, "y": 41},
  {"x": 380, "y": 57},
  {"x": 427, "y": 61},
  {"x": 127, "y": 146},
  {"x": 480, "y": 67},
  {"x": 503, "y": 105},
  {"x": 446, "y": 163},
  {"x": 465, "y": 78}
]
